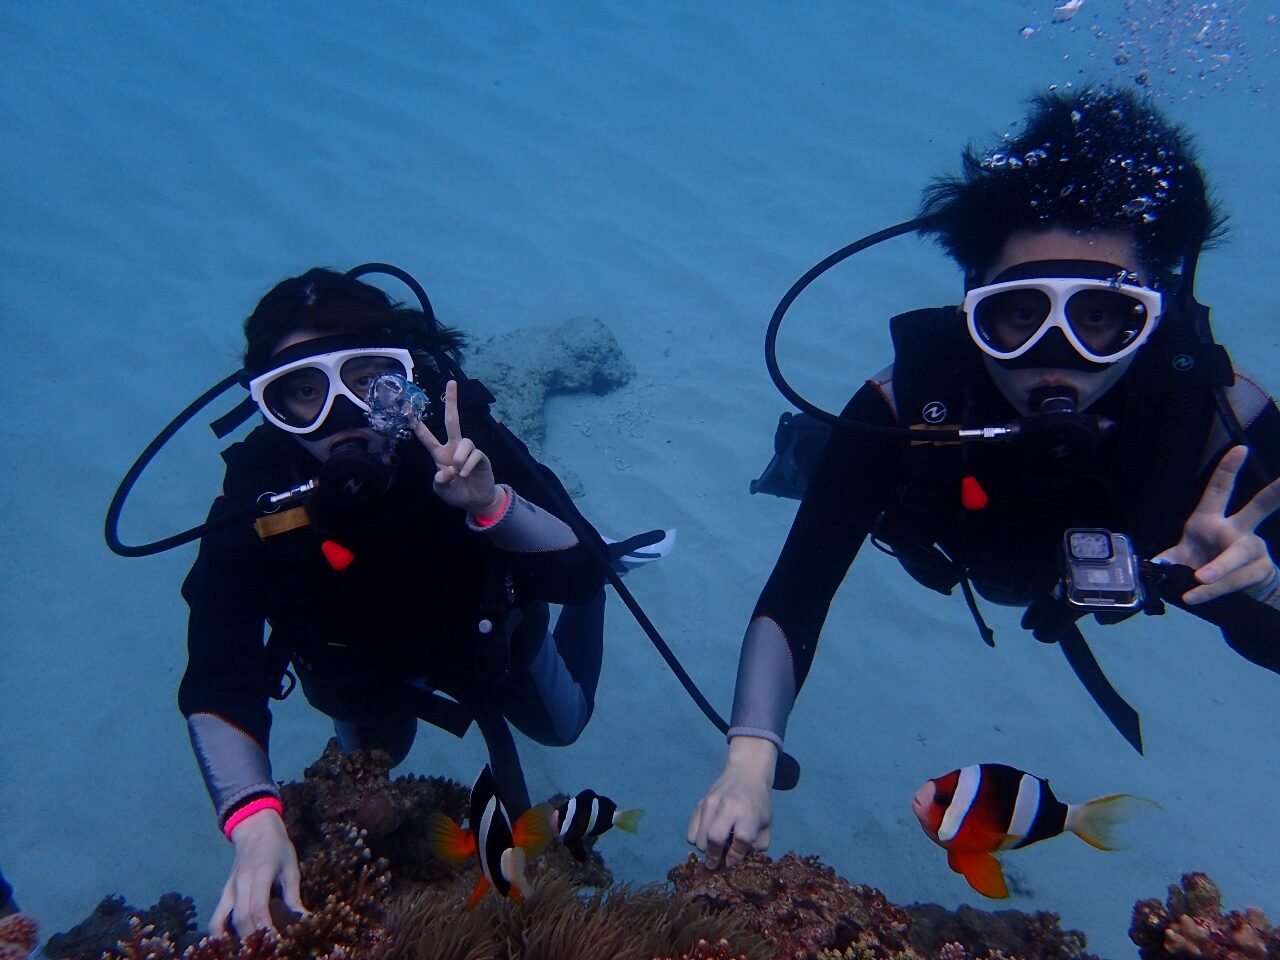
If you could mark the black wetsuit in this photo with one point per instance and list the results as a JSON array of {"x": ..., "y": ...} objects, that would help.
[
  {"x": 1010, "y": 547},
  {"x": 408, "y": 608}
]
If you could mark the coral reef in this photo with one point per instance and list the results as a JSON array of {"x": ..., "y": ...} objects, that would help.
[
  {"x": 805, "y": 910},
  {"x": 18, "y": 936},
  {"x": 356, "y": 829},
  {"x": 1191, "y": 924},
  {"x": 346, "y": 887},
  {"x": 1032, "y": 936},
  {"x": 800, "y": 905},
  {"x": 112, "y": 920}
]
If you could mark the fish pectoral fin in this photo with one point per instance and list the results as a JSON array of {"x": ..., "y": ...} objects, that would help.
[
  {"x": 534, "y": 830},
  {"x": 983, "y": 872},
  {"x": 448, "y": 841},
  {"x": 513, "y": 863},
  {"x": 477, "y": 894}
]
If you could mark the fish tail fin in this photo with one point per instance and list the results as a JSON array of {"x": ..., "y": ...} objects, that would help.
[
  {"x": 628, "y": 820},
  {"x": 534, "y": 830},
  {"x": 513, "y": 864},
  {"x": 477, "y": 894},
  {"x": 982, "y": 870},
  {"x": 448, "y": 841},
  {"x": 1095, "y": 822}
]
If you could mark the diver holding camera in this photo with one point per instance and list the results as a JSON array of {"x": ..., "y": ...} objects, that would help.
[{"x": 1071, "y": 416}]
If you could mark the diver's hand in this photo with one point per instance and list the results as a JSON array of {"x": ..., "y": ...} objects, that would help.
[
  {"x": 737, "y": 812},
  {"x": 264, "y": 859},
  {"x": 464, "y": 476},
  {"x": 1223, "y": 550}
]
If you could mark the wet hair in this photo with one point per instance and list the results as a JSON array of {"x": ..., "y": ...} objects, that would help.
[
  {"x": 1095, "y": 160},
  {"x": 329, "y": 302}
]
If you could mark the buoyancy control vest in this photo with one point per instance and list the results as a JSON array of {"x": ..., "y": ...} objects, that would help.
[{"x": 1143, "y": 480}]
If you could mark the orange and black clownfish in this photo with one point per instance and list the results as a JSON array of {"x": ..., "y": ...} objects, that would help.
[
  {"x": 976, "y": 811},
  {"x": 502, "y": 847}
]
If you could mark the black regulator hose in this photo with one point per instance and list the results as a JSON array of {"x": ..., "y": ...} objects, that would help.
[{"x": 112, "y": 526}]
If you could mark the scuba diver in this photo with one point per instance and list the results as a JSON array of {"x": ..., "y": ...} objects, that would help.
[
  {"x": 414, "y": 583},
  {"x": 1068, "y": 439}
]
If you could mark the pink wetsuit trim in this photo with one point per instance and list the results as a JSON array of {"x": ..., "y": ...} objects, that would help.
[{"x": 490, "y": 521}]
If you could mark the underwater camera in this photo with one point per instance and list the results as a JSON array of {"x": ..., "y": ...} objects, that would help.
[{"x": 1100, "y": 571}]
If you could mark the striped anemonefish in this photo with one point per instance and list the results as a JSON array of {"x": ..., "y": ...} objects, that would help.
[
  {"x": 987, "y": 807},
  {"x": 502, "y": 847},
  {"x": 588, "y": 815}
]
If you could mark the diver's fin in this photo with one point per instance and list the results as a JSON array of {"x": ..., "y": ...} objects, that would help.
[
  {"x": 628, "y": 820},
  {"x": 448, "y": 841},
  {"x": 1093, "y": 822},
  {"x": 477, "y": 894},
  {"x": 641, "y": 549},
  {"x": 983, "y": 872}
]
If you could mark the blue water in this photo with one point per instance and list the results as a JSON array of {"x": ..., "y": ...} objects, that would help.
[{"x": 670, "y": 169}]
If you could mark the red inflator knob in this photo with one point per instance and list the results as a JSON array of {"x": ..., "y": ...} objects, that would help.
[
  {"x": 339, "y": 557},
  {"x": 972, "y": 495}
]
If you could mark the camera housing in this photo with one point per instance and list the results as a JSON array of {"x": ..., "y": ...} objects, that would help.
[{"x": 1100, "y": 570}]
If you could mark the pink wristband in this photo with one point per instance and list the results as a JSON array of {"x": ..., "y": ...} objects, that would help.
[
  {"x": 248, "y": 810},
  {"x": 490, "y": 521}
]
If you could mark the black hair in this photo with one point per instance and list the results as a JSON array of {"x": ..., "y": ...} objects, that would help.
[
  {"x": 1098, "y": 159},
  {"x": 330, "y": 302}
]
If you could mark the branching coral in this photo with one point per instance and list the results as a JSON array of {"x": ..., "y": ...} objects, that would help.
[
  {"x": 1191, "y": 924},
  {"x": 18, "y": 936}
]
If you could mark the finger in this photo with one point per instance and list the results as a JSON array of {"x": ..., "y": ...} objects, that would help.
[
  {"x": 475, "y": 460},
  {"x": 1264, "y": 503},
  {"x": 1218, "y": 491},
  {"x": 218, "y": 922},
  {"x": 1175, "y": 554},
  {"x": 461, "y": 451},
  {"x": 694, "y": 833},
  {"x": 291, "y": 889},
  {"x": 428, "y": 439},
  {"x": 452, "y": 424},
  {"x": 1239, "y": 579},
  {"x": 715, "y": 854},
  {"x": 1240, "y": 553},
  {"x": 738, "y": 850}
]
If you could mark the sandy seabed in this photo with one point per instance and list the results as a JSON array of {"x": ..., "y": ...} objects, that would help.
[{"x": 670, "y": 169}]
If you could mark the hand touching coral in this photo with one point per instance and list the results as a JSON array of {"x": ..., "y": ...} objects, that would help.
[
  {"x": 265, "y": 860},
  {"x": 464, "y": 477},
  {"x": 736, "y": 814},
  {"x": 1223, "y": 550}
]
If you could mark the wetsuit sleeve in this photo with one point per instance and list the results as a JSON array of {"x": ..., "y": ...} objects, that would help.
[
  {"x": 547, "y": 559},
  {"x": 853, "y": 482},
  {"x": 224, "y": 692}
]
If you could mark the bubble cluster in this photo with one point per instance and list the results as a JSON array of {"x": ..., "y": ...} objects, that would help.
[{"x": 1168, "y": 47}]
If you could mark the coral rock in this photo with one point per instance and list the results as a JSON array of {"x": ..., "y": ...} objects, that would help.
[
  {"x": 1191, "y": 924},
  {"x": 18, "y": 936}
]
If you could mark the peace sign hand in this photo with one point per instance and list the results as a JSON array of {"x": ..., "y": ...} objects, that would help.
[
  {"x": 464, "y": 476},
  {"x": 1224, "y": 551}
]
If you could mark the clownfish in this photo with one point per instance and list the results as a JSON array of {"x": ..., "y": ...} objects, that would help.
[
  {"x": 503, "y": 848},
  {"x": 987, "y": 807},
  {"x": 588, "y": 815}
]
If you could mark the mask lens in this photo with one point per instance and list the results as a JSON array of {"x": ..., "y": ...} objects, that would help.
[
  {"x": 1008, "y": 319},
  {"x": 297, "y": 397},
  {"x": 358, "y": 373},
  {"x": 1106, "y": 321}
]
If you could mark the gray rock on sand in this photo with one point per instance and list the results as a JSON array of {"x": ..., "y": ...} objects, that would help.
[{"x": 523, "y": 367}]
